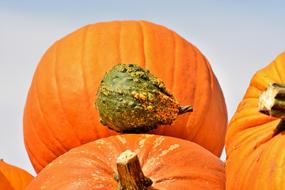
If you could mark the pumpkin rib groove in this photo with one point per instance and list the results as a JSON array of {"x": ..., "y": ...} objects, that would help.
[
  {"x": 279, "y": 159},
  {"x": 240, "y": 170},
  {"x": 103, "y": 166},
  {"x": 144, "y": 64},
  {"x": 41, "y": 112},
  {"x": 248, "y": 138},
  {"x": 174, "y": 63},
  {"x": 13, "y": 177},
  {"x": 39, "y": 106},
  {"x": 277, "y": 71},
  {"x": 189, "y": 120},
  {"x": 102, "y": 163},
  {"x": 119, "y": 42},
  {"x": 7, "y": 176},
  {"x": 81, "y": 62},
  {"x": 273, "y": 150},
  {"x": 282, "y": 164},
  {"x": 279, "y": 63},
  {"x": 210, "y": 70},
  {"x": 246, "y": 173},
  {"x": 244, "y": 169},
  {"x": 94, "y": 121},
  {"x": 255, "y": 82},
  {"x": 200, "y": 122},
  {"x": 252, "y": 125},
  {"x": 38, "y": 141},
  {"x": 91, "y": 157},
  {"x": 155, "y": 169},
  {"x": 181, "y": 178},
  {"x": 55, "y": 63},
  {"x": 266, "y": 140},
  {"x": 55, "y": 140},
  {"x": 250, "y": 97},
  {"x": 155, "y": 147},
  {"x": 146, "y": 154},
  {"x": 211, "y": 86},
  {"x": 32, "y": 157},
  {"x": 239, "y": 129},
  {"x": 5, "y": 183},
  {"x": 242, "y": 139},
  {"x": 252, "y": 86},
  {"x": 21, "y": 181},
  {"x": 255, "y": 147},
  {"x": 117, "y": 145}
]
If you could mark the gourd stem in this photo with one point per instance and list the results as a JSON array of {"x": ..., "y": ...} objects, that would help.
[
  {"x": 185, "y": 109},
  {"x": 272, "y": 101},
  {"x": 130, "y": 175}
]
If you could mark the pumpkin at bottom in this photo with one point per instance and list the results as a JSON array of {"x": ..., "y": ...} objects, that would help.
[{"x": 170, "y": 163}]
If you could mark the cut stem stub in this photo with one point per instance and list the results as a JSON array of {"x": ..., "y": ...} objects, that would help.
[
  {"x": 130, "y": 175},
  {"x": 185, "y": 109},
  {"x": 272, "y": 101}
]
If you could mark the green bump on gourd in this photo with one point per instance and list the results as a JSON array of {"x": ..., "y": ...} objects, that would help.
[{"x": 131, "y": 99}]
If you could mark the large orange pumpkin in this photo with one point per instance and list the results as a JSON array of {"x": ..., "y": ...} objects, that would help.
[
  {"x": 254, "y": 141},
  {"x": 60, "y": 113},
  {"x": 170, "y": 163},
  {"x": 13, "y": 178}
]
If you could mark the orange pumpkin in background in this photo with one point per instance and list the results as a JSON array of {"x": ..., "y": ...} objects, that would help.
[
  {"x": 13, "y": 178},
  {"x": 255, "y": 141},
  {"x": 170, "y": 163},
  {"x": 60, "y": 113},
  {"x": 4, "y": 183}
]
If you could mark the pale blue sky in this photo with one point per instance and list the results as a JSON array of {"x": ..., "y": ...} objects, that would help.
[{"x": 237, "y": 38}]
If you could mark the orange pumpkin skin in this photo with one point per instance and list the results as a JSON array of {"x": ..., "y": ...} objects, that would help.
[
  {"x": 4, "y": 183},
  {"x": 255, "y": 159},
  {"x": 60, "y": 113},
  {"x": 171, "y": 163},
  {"x": 13, "y": 178}
]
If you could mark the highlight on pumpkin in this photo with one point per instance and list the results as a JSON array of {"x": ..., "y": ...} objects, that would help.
[{"x": 131, "y": 99}]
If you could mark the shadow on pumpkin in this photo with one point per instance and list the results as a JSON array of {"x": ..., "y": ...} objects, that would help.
[
  {"x": 280, "y": 128},
  {"x": 152, "y": 188}
]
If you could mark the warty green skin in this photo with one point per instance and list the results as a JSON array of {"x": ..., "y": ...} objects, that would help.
[{"x": 131, "y": 99}]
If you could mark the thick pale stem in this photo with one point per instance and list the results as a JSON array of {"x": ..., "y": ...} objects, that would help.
[
  {"x": 185, "y": 109},
  {"x": 272, "y": 101},
  {"x": 130, "y": 175}
]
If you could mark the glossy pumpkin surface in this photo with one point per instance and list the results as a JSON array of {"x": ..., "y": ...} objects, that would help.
[
  {"x": 255, "y": 156},
  {"x": 60, "y": 113},
  {"x": 171, "y": 163}
]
